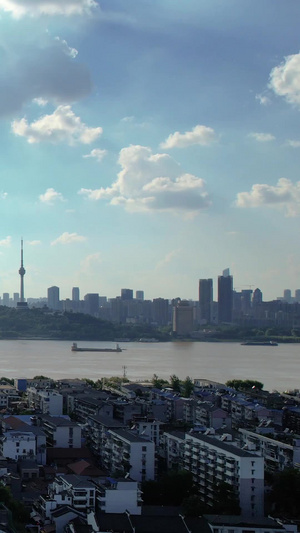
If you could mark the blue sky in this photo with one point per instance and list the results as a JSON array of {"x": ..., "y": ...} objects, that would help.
[{"x": 147, "y": 144}]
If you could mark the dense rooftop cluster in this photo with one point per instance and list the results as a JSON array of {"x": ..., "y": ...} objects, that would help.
[{"x": 88, "y": 454}]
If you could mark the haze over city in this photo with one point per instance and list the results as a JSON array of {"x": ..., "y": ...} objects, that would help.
[{"x": 148, "y": 145}]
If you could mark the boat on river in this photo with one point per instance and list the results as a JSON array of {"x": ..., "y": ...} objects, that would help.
[
  {"x": 263, "y": 343},
  {"x": 75, "y": 348}
]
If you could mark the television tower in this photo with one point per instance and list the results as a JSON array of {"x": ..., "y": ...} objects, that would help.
[{"x": 22, "y": 272}]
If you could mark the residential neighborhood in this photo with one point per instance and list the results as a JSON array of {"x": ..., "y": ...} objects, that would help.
[{"x": 82, "y": 457}]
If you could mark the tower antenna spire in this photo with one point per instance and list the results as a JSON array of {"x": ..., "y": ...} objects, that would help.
[{"x": 22, "y": 272}]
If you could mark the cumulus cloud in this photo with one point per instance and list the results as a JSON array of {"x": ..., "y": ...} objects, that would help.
[
  {"x": 62, "y": 126},
  {"x": 44, "y": 71},
  {"x": 285, "y": 195},
  {"x": 67, "y": 238},
  {"x": 97, "y": 153},
  {"x": 6, "y": 241},
  {"x": 262, "y": 137},
  {"x": 150, "y": 181},
  {"x": 20, "y": 8},
  {"x": 33, "y": 243},
  {"x": 3, "y": 195},
  {"x": 198, "y": 135},
  {"x": 285, "y": 79},
  {"x": 50, "y": 196}
]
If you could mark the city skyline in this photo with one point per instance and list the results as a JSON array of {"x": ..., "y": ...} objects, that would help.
[{"x": 147, "y": 145}]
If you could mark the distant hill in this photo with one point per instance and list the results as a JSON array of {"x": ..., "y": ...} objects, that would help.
[{"x": 44, "y": 324}]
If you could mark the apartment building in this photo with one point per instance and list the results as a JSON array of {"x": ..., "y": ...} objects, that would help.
[
  {"x": 84, "y": 406},
  {"x": 48, "y": 402},
  {"x": 126, "y": 453},
  {"x": 277, "y": 455},
  {"x": 98, "y": 427},
  {"x": 213, "y": 460},
  {"x": 172, "y": 449},
  {"x": 61, "y": 432}
]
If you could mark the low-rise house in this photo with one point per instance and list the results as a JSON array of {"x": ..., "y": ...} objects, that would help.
[
  {"x": 75, "y": 492},
  {"x": 238, "y": 524},
  {"x": 119, "y": 496}
]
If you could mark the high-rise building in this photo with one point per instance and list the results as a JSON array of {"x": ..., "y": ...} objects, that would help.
[
  {"x": 75, "y": 294},
  {"x": 287, "y": 295},
  {"x": 160, "y": 309},
  {"x": 139, "y": 295},
  {"x": 5, "y": 299},
  {"x": 297, "y": 295},
  {"x": 257, "y": 297},
  {"x": 53, "y": 298},
  {"x": 16, "y": 298},
  {"x": 22, "y": 304},
  {"x": 91, "y": 304},
  {"x": 183, "y": 318},
  {"x": 206, "y": 299},
  {"x": 126, "y": 294},
  {"x": 246, "y": 297},
  {"x": 225, "y": 297}
]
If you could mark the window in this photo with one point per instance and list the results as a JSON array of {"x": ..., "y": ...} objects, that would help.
[
  {"x": 252, "y": 472},
  {"x": 144, "y": 448}
]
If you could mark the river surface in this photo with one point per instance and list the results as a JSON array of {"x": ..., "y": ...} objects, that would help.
[{"x": 277, "y": 367}]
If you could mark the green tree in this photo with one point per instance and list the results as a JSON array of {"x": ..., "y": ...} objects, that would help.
[
  {"x": 285, "y": 493},
  {"x": 175, "y": 383},
  {"x": 225, "y": 500},
  {"x": 159, "y": 383},
  {"x": 244, "y": 384},
  {"x": 188, "y": 387}
]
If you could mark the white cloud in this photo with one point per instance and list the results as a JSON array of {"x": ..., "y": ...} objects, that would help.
[
  {"x": 262, "y": 137},
  {"x": 62, "y": 126},
  {"x": 19, "y": 8},
  {"x": 263, "y": 99},
  {"x": 90, "y": 263},
  {"x": 150, "y": 181},
  {"x": 167, "y": 259},
  {"x": 33, "y": 243},
  {"x": 69, "y": 51},
  {"x": 6, "y": 242},
  {"x": 285, "y": 79},
  {"x": 67, "y": 238},
  {"x": 3, "y": 195},
  {"x": 40, "y": 102},
  {"x": 130, "y": 118},
  {"x": 97, "y": 153},
  {"x": 51, "y": 196},
  {"x": 199, "y": 135},
  {"x": 285, "y": 195},
  {"x": 293, "y": 144}
]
